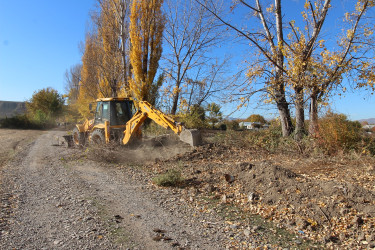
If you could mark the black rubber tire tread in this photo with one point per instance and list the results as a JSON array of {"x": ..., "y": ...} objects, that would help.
[
  {"x": 98, "y": 137},
  {"x": 79, "y": 138}
]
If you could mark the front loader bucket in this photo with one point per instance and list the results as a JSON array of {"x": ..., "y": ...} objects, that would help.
[{"x": 191, "y": 136}]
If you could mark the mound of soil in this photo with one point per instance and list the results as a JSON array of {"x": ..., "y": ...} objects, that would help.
[{"x": 330, "y": 210}]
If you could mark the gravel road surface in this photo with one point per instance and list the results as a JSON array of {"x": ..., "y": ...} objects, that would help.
[{"x": 49, "y": 202}]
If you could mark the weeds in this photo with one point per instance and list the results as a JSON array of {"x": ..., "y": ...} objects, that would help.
[
  {"x": 337, "y": 135},
  {"x": 171, "y": 178},
  {"x": 19, "y": 122}
]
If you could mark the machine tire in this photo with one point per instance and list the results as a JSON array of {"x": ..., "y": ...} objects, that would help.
[
  {"x": 79, "y": 138},
  {"x": 98, "y": 137}
]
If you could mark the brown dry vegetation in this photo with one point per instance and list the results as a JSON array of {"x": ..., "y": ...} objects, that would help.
[{"x": 328, "y": 199}]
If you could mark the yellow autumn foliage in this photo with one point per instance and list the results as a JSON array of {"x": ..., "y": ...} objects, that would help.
[{"x": 146, "y": 33}]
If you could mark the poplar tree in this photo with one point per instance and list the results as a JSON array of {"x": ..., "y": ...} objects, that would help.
[
  {"x": 104, "y": 60},
  {"x": 111, "y": 75},
  {"x": 89, "y": 85},
  {"x": 146, "y": 33}
]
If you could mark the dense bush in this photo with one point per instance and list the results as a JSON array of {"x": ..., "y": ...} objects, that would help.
[
  {"x": 20, "y": 122},
  {"x": 44, "y": 107},
  {"x": 222, "y": 126},
  {"x": 368, "y": 146},
  {"x": 196, "y": 118},
  {"x": 269, "y": 139},
  {"x": 232, "y": 125},
  {"x": 337, "y": 133}
]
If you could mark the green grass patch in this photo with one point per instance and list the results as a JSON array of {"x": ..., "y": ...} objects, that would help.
[{"x": 171, "y": 178}]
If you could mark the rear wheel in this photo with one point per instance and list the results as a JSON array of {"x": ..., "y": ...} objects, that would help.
[
  {"x": 79, "y": 138},
  {"x": 98, "y": 137}
]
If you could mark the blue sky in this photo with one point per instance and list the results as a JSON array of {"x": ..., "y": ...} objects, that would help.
[{"x": 39, "y": 41}]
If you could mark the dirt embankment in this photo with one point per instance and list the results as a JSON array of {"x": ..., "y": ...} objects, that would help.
[{"x": 331, "y": 201}]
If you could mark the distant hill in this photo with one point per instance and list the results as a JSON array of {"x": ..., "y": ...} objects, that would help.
[
  {"x": 10, "y": 109},
  {"x": 369, "y": 120}
]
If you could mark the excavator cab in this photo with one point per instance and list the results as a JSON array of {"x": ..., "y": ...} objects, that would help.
[{"x": 118, "y": 111}]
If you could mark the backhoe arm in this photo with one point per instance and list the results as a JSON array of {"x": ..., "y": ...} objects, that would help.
[{"x": 146, "y": 110}]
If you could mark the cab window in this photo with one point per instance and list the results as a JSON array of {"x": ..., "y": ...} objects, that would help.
[
  {"x": 105, "y": 114},
  {"x": 99, "y": 111}
]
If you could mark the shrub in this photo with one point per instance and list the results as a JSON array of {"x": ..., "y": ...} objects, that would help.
[
  {"x": 19, "y": 122},
  {"x": 194, "y": 119},
  {"x": 232, "y": 125},
  {"x": 367, "y": 145},
  {"x": 171, "y": 178},
  {"x": 45, "y": 106},
  {"x": 337, "y": 133},
  {"x": 268, "y": 139},
  {"x": 223, "y": 126}
]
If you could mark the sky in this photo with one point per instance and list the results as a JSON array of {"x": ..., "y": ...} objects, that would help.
[{"x": 39, "y": 41}]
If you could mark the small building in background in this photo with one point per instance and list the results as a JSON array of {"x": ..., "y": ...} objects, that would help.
[
  {"x": 252, "y": 125},
  {"x": 368, "y": 126}
]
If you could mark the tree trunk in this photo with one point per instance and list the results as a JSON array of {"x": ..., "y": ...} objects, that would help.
[
  {"x": 286, "y": 121},
  {"x": 284, "y": 112},
  {"x": 313, "y": 126},
  {"x": 175, "y": 102},
  {"x": 114, "y": 91},
  {"x": 176, "y": 95},
  {"x": 300, "y": 114},
  {"x": 282, "y": 104}
]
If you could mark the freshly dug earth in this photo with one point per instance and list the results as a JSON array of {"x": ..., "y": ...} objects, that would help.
[{"x": 332, "y": 203}]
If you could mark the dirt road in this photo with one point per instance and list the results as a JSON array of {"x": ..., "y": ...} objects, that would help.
[{"x": 51, "y": 202}]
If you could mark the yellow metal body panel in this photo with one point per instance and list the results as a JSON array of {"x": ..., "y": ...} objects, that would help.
[
  {"x": 106, "y": 131},
  {"x": 145, "y": 110},
  {"x": 86, "y": 126}
]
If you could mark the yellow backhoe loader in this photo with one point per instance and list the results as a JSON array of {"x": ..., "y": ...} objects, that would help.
[{"x": 118, "y": 119}]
